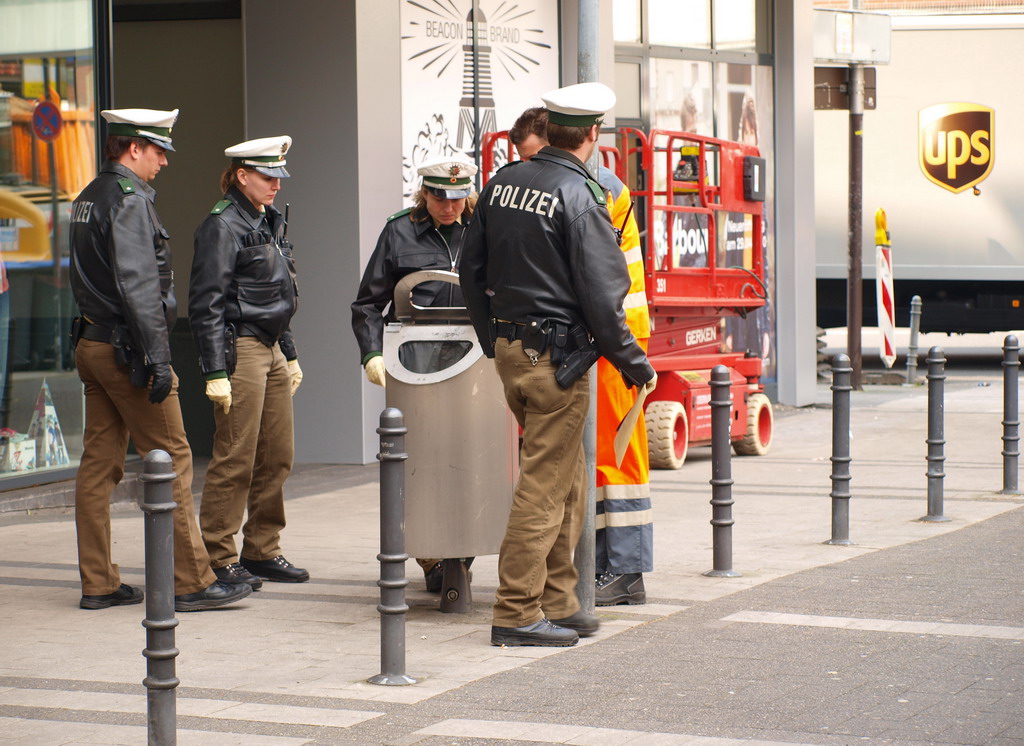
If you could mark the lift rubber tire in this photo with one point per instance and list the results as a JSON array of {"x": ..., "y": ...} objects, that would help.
[
  {"x": 760, "y": 427},
  {"x": 668, "y": 434}
]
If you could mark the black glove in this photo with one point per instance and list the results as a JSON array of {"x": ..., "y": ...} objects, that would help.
[{"x": 161, "y": 385}]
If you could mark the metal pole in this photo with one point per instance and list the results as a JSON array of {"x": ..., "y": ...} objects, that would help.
[
  {"x": 840, "y": 494},
  {"x": 158, "y": 504},
  {"x": 915, "y": 325},
  {"x": 1011, "y": 415},
  {"x": 854, "y": 288},
  {"x": 392, "y": 557},
  {"x": 936, "y": 434},
  {"x": 588, "y": 15},
  {"x": 721, "y": 473}
]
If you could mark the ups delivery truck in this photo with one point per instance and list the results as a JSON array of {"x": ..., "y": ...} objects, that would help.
[{"x": 944, "y": 157}]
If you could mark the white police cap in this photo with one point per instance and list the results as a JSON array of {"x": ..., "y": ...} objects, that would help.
[
  {"x": 266, "y": 155},
  {"x": 579, "y": 105},
  {"x": 152, "y": 124},
  {"x": 449, "y": 176}
]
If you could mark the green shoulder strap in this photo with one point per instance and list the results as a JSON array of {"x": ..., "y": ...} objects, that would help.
[
  {"x": 126, "y": 185},
  {"x": 399, "y": 214},
  {"x": 598, "y": 191},
  {"x": 220, "y": 207}
]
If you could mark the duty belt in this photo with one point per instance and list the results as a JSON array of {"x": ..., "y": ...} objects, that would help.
[
  {"x": 96, "y": 332},
  {"x": 510, "y": 330}
]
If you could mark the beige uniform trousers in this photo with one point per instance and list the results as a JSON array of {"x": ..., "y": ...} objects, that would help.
[
  {"x": 252, "y": 457},
  {"x": 114, "y": 409},
  {"x": 536, "y": 575}
]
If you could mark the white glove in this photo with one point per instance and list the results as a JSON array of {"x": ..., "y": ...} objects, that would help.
[
  {"x": 219, "y": 392},
  {"x": 296, "y": 373},
  {"x": 650, "y": 385},
  {"x": 375, "y": 370}
]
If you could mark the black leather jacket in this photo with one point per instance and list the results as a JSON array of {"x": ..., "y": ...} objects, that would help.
[
  {"x": 243, "y": 273},
  {"x": 121, "y": 260},
  {"x": 542, "y": 245},
  {"x": 405, "y": 245}
]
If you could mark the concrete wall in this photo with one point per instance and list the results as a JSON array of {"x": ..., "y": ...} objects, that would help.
[{"x": 330, "y": 79}]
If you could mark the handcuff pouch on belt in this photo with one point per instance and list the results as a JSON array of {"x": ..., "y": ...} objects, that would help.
[
  {"x": 77, "y": 327},
  {"x": 580, "y": 358},
  {"x": 126, "y": 354},
  {"x": 535, "y": 335}
]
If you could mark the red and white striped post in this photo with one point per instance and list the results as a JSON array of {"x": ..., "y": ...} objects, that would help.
[{"x": 883, "y": 290}]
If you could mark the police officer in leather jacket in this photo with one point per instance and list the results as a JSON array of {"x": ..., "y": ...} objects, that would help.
[
  {"x": 242, "y": 298},
  {"x": 429, "y": 235},
  {"x": 121, "y": 278},
  {"x": 544, "y": 281}
]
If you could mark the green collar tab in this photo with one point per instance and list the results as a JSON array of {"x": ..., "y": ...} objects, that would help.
[{"x": 126, "y": 185}]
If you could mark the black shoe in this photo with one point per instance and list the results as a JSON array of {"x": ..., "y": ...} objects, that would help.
[
  {"x": 620, "y": 589},
  {"x": 434, "y": 577},
  {"x": 126, "y": 595},
  {"x": 234, "y": 574},
  {"x": 217, "y": 595},
  {"x": 585, "y": 624},
  {"x": 540, "y": 634},
  {"x": 278, "y": 569}
]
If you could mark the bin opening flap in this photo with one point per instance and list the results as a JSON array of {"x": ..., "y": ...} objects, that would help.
[{"x": 408, "y": 312}]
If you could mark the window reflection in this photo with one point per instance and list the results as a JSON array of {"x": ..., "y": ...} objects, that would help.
[{"x": 47, "y": 155}]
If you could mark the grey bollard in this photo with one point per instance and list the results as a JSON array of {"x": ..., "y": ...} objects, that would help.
[
  {"x": 840, "y": 494},
  {"x": 915, "y": 325},
  {"x": 721, "y": 474},
  {"x": 157, "y": 502},
  {"x": 1011, "y": 415},
  {"x": 936, "y": 434},
  {"x": 392, "y": 557}
]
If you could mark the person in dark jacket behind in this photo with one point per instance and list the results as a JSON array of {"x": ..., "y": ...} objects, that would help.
[
  {"x": 428, "y": 235},
  {"x": 544, "y": 281},
  {"x": 121, "y": 279},
  {"x": 242, "y": 298}
]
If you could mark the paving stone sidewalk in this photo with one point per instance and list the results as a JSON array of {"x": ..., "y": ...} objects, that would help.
[{"x": 911, "y": 635}]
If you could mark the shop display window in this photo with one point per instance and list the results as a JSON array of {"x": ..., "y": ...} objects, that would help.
[{"x": 47, "y": 156}]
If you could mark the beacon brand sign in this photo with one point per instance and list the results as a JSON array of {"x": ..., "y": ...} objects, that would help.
[{"x": 956, "y": 144}]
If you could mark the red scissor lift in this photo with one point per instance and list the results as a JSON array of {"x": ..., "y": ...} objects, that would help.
[{"x": 703, "y": 179}]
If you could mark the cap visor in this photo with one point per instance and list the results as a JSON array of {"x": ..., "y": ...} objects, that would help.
[
  {"x": 277, "y": 172},
  {"x": 165, "y": 144},
  {"x": 449, "y": 193}
]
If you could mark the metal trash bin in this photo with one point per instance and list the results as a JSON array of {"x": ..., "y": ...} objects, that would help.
[{"x": 462, "y": 441}]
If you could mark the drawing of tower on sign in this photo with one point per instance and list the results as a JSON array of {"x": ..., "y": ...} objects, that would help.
[{"x": 469, "y": 132}]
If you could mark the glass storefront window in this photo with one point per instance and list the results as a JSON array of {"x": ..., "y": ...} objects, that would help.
[
  {"x": 47, "y": 155},
  {"x": 735, "y": 25},
  {"x": 626, "y": 21},
  {"x": 679, "y": 23}
]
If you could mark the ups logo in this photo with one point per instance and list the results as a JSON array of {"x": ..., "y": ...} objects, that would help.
[{"x": 955, "y": 144}]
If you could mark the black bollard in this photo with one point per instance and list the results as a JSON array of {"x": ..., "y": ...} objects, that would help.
[
  {"x": 721, "y": 474},
  {"x": 915, "y": 325},
  {"x": 1011, "y": 415},
  {"x": 936, "y": 434},
  {"x": 840, "y": 494},
  {"x": 158, "y": 504},
  {"x": 392, "y": 557}
]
